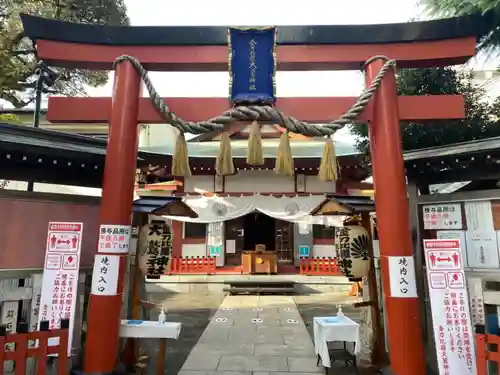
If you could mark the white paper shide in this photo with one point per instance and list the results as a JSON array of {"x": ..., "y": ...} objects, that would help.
[
  {"x": 451, "y": 319},
  {"x": 114, "y": 239},
  {"x": 105, "y": 275},
  {"x": 402, "y": 277}
]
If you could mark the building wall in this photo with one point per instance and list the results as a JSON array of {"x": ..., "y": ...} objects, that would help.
[{"x": 250, "y": 181}]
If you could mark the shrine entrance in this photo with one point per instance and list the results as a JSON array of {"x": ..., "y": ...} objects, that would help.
[
  {"x": 259, "y": 229},
  {"x": 255, "y": 229}
]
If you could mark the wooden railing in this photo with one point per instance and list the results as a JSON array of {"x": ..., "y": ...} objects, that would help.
[
  {"x": 485, "y": 343},
  {"x": 319, "y": 266},
  {"x": 200, "y": 265},
  {"x": 20, "y": 346}
]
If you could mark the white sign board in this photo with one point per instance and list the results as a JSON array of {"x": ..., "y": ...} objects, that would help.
[
  {"x": 442, "y": 216},
  {"x": 482, "y": 249},
  {"x": 114, "y": 239},
  {"x": 453, "y": 333},
  {"x": 402, "y": 277},
  {"x": 475, "y": 285},
  {"x": 105, "y": 275},
  {"x": 60, "y": 276}
]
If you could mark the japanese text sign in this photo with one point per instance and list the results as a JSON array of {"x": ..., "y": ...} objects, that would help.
[
  {"x": 60, "y": 276},
  {"x": 402, "y": 277},
  {"x": 105, "y": 275},
  {"x": 114, "y": 239},
  {"x": 252, "y": 65},
  {"x": 453, "y": 333},
  {"x": 159, "y": 248}
]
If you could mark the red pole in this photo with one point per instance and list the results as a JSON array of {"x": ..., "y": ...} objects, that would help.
[
  {"x": 404, "y": 329},
  {"x": 101, "y": 347}
]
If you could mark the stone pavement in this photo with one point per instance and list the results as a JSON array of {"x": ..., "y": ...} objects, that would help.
[{"x": 259, "y": 335}]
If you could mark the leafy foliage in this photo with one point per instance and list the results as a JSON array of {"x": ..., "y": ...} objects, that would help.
[
  {"x": 17, "y": 61},
  {"x": 482, "y": 118}
]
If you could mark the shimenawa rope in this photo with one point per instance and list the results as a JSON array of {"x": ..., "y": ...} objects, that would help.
[{"x": 260, "y": 113}]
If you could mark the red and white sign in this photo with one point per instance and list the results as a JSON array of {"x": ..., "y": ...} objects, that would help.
[
  {"x": 453, "y": 333},
  {"x": 64, "y": 237},
  {"x": 443, "y": 255},
  {"x": 60, "y": 276},
  {"x": 114, "y": 239}
]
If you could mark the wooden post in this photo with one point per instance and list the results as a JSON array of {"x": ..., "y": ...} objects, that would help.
[
  {"x": 104, "y": 313},
  {"x": 378, "y": 346},
  {"x": 404, "y": 329}
]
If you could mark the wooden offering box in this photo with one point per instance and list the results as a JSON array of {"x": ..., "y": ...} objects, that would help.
[{"x": 259, "y": 262}]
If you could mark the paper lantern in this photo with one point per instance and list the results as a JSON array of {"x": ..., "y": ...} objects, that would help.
[{"x": 351, "y": 244}]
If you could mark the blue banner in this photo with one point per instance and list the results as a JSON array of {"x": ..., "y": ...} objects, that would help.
[{"x": 252, "y": 65}]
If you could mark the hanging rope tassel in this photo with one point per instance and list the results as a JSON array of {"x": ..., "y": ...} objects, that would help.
[
  {"x": 255, "y": 153},
  {"x": 180, "y": 160},
  {"x": 284, "y": 158},
  {"x": 328, "y": 166},
  {"x": 224, "y": 163}
]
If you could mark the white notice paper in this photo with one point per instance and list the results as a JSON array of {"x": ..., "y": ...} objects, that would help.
[
  {"x": 402, "y": 277},
  {"x": 114, "y": 239},
  {"x": 105, "y": 275},
  {"x": 482, "y": 249},
  {"x": 230, "y": 246},
  {"x": 475, "y": 285},
  {"x": 443, "y": 216}
]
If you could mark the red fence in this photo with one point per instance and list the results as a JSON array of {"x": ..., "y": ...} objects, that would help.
[
  {"x": 19, "y": 346},
  {"x": 485, "y": 343},
  {"x": 202, "y": 265},
  {"x": 319, "y": 266}
]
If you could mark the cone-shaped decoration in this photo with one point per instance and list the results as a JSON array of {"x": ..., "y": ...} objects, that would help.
[
  {"x": 224, "y": 164},
  {"x": 255, "y": 153},
  {"x": 328, "y": 166},
  {"x": 180, "y": 160},
  {"x": 284, "y": 158}
]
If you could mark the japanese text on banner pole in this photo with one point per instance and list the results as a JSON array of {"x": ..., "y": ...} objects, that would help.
[
  {"x": 453, "y": 333},
  {"x": 60, "y": 276}
]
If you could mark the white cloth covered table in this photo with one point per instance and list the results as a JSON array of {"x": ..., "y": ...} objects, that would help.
[
  {"x": 334, "y": 328},
  {"x": 150, "y": 329}
]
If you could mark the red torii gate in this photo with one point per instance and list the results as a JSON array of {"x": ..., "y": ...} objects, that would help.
[{"x": 414, "y": 45}]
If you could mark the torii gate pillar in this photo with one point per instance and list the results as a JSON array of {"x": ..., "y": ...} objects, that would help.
[
  {"x": 404, "y": 327},
  {"x": 104, "y": 313}
]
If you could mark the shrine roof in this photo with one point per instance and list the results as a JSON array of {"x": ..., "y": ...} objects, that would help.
[
  {"x": 465, "y": 161},
  {"x": 48, "y": 29},
  {"x": 49, "y": 156},
  {"x": 338, "y": 204}
]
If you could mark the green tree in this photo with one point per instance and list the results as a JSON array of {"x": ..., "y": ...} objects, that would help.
[
  {"x": 482, "y": 118},
  {"x": 17, "y": 61}
]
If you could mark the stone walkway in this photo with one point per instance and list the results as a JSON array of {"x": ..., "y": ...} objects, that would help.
[{"x": 259, "y": 335}]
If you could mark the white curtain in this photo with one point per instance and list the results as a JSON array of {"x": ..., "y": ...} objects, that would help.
[{"x": 294, "y": 209}]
